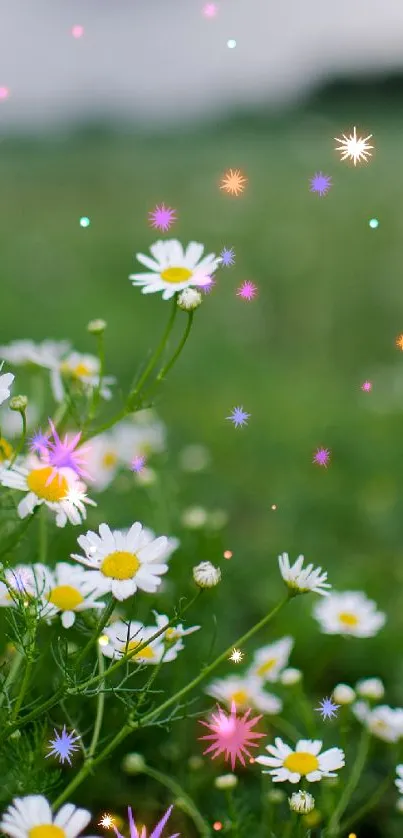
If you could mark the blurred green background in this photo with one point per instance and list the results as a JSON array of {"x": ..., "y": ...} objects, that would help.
[{"x": 325, "y": 320}]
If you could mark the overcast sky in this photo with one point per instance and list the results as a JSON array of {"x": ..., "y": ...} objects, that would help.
[{"x": 147, "y": 60}]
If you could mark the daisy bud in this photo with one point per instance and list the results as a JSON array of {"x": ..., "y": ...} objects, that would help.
[
  {"x": 194, "y": 517},
  {"x": 189, "y": 299},
  {"x": 18, "y": 403},
  {"x": 291, "y": 676},
  {"x": 276, "y": 795},
  {"x": 96, "y": 327},
  {"x": 206, "y": 575},
  {"x": 370, "y": 688},
  {"x": 301, "y": 802},
  {"x": 226, "y": 781},
  {"x": 343, "y": 694},
  {"x": 133, "y": 763}
]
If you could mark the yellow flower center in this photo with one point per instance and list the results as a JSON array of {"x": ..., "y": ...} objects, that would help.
[
  {"x": 6, "y": 450},
  {"x": 176, "y": 274},
  {"x": 46, "y": 830},
  {"x": 266, "y": 667},
  {"x": 301, "y": 763},
  {"x": 147, "y": 652},
  {"x": 348, "y": 619},
  {"x": 240, "y": 697},
  {"x": 120, "y": 565},
  {"x": 65, "y": 597},
  {"x": 109, "y": 459},
  {"x": 79, "y": 371},
  {"x": 55, "y": 490},
  {"x": 171, "y": 634}
]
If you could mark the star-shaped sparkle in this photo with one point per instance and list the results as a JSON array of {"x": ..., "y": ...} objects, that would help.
[
  {"x": 231, "y": 735},
  {"x": 106, "y": 821},
  {"x": 236, "y": 656},
  {"x": 233, "y": 182},
  {"x": 356, "y": 148},
  {"x": 38, "y": 442},
  {"x": 227, "y": 257},
  {"x": 162, "y": 217},
  {"x": 63, "y": 746},
  {"x": 367, "y": 386},
  {"x": 247, "y": 290},
  {"x": 207, "y": 285},
  {"x": 321, "y": 183},
  {"x": 136, "y": 833},
  {"x": 327, "y": 708},
  {"x": 399, "y": 342},
  {"x": 138, "y": 463},
  {"x": 238, "y": 416},
  {"x": 321, "y": 457}
]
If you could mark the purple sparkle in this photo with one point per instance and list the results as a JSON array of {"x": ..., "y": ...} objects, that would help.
[
  {"x": 367, "y": 386},
  {"x": 227, "y": 256},
  {"x": 238, "y": 416},
  {"x": 162, "y": 217},
  {"x": 63, "y": 746},
  {"x": 321, "y": 183},
  {"x": 327, "y": 709},
  {"x": 138, "y": 463},
  {"x": 38, "y": 442},
  {"x": 157, "y": 831},
  {"x": 62, "y": 453},
  {"x": 321, "y": 457},
  {"x": 247, "y": 290},
  {"x": 207, "y": 285}
]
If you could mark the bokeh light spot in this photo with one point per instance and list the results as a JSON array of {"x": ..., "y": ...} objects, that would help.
[
  {"x": 84, "y": 221},
  {"x": 227, "y": 554},
  {"x": 217, "y": 825},
  {"x": 231, "y": 43},
  {"x": 4, "y": 92},
  {"x": 374, "y": 223},
  {"x": 77, "y": 31}
]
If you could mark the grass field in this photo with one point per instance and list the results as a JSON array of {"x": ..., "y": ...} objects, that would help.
[{"x": 325, "y": 320}]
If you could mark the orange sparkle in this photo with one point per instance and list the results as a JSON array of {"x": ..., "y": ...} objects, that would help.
[
  {"x": 399, "y": 342},
  {"x": 217, "y": 825},
  {"x": 233, "y": 182},
  {"x": 227, "y": 554}
]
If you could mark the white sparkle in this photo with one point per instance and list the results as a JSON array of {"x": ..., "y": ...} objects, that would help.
[
  {"x": 356, "y": 148},
  {"x": 236, "y": 655}
]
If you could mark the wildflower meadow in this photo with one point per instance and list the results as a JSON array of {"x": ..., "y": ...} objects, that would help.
[{"x": 200, "y": 515}]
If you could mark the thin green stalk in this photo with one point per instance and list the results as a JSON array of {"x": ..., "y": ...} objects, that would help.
[
  {"x": 366, "y": 807},
  {"x": 106, "y": 613},
  {"x": 97, "y": 390},
  {"x": 14, "y": 668},
  {"x": 179, "y": 792},
  {"x": 351, "y": 784},
  {"x": 23, "y": 688},
  {"x": 156, "y": 355},
  {"x": 232, "y": 813},
  {"x": 162, "y": 373},
  {"x": 100, "y": 707},
  {"x": 130, "y": 725},
  {"x": 43, "y": 534}
]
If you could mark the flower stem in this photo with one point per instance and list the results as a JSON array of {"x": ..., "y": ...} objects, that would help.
[
  {"x": 17, "y": 661},
  {"x": 179, "y": 792},
  {"x": 351, "y": 784},
  {"x": 97, "y": 390},
  {"x": 100, "y": 707},
  {"x": 366, "y": 807},
  {"x": 24, "y": 685},
  {"x": 19, "y": 531},
  {"x": 155, "y": 356},
  {"x": 43, "y": 534},
  {"x": 163, "y": 372},
  {"x": 130, "y": 726},
  {"x": 106, "y": 613}
]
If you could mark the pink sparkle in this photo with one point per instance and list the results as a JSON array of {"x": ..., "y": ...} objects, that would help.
[
  {"x": 321, "y": 457},
  {"x": 62, "y": 453},
  {"x": 4, "y": 92},
  {"x": 162, "y": 217},
  {"x": 77, "y": 31},
  {"x": 210, "y": 10},
  {"x": 247, "y": 291},
  {"x": 231, "y": 735},
  {"x": 367, "y": 386},
  {"x": 138, "y": 463}
]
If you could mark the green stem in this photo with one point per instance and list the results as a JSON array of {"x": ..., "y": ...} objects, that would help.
[
  {"x": 19, "y": 531},
  {"x": 232, "y": 813},
  {"x": 100, "y": 707},
  {"x": 156, "y": 355},
  {"x": 130, "y": 725},
  {"x": 106, "y": 613},
  {"x": 366, "y": 807},
  {"x": 18, "y": 659},
  {"x": 43, "y": 534},
  {"x": 97, "y": 391},
  {"x": 351, "y": 784},
  {"x": 179, "y": 792},
  {"x": 163, "y": 372},
  {"x": 24, "y": 685}
]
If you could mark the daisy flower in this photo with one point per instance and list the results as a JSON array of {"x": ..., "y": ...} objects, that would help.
[
  {"x": 305, "y": 761},
  {"x": 173, "y": 635},
  {"x": 81, "y": 369},
  {"x": 302, "y": 580},
  {"x": 349, "y": 613},
  {"x": 171, "y": 269},
  {"x": 269, "y": 661},
  {"x": 103, "y": 460},
  {"x": 125, "y": 637},
  {"x": 231, "y": 735},
  {"x": 123, "y": 562},
  {"x": 45, "y": 354},
  {"x": 61, "y": 491},
  {"x": 19, "y": 581},
  {"x": 244, "y": 692},
  {"x": 6, "y": 381},
  {"x": 399, "y": 781},
  {"x": 31, "y": 817},
  {"x": 384, "y": 722},
  {"x": 65, "y": 590}
]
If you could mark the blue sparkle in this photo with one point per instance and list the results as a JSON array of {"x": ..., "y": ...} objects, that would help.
[
  {"x": 327, "y": 708},
  {"x": 321, "y": 183},
  {"x": 63, "y": 745},
  {"x": 238, "y": 416},
  {"x": 227, "y": 256}
]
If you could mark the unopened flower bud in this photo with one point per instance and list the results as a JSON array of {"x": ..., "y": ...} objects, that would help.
[
  {"x": 96, "y": 327},
  {"x": 301, "y": 802},
  {"x": 343, "y": 694},
  {"x": 226, "y": 781},
  {"x": 18, "y": 403},
  {"x": 290, "y": 676},
  {"x": 189, "y": 299},
  {"x": 370, "y": 688},
  {"x": 133, "y": 763},
  {"x": 206, "y": 575}
]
